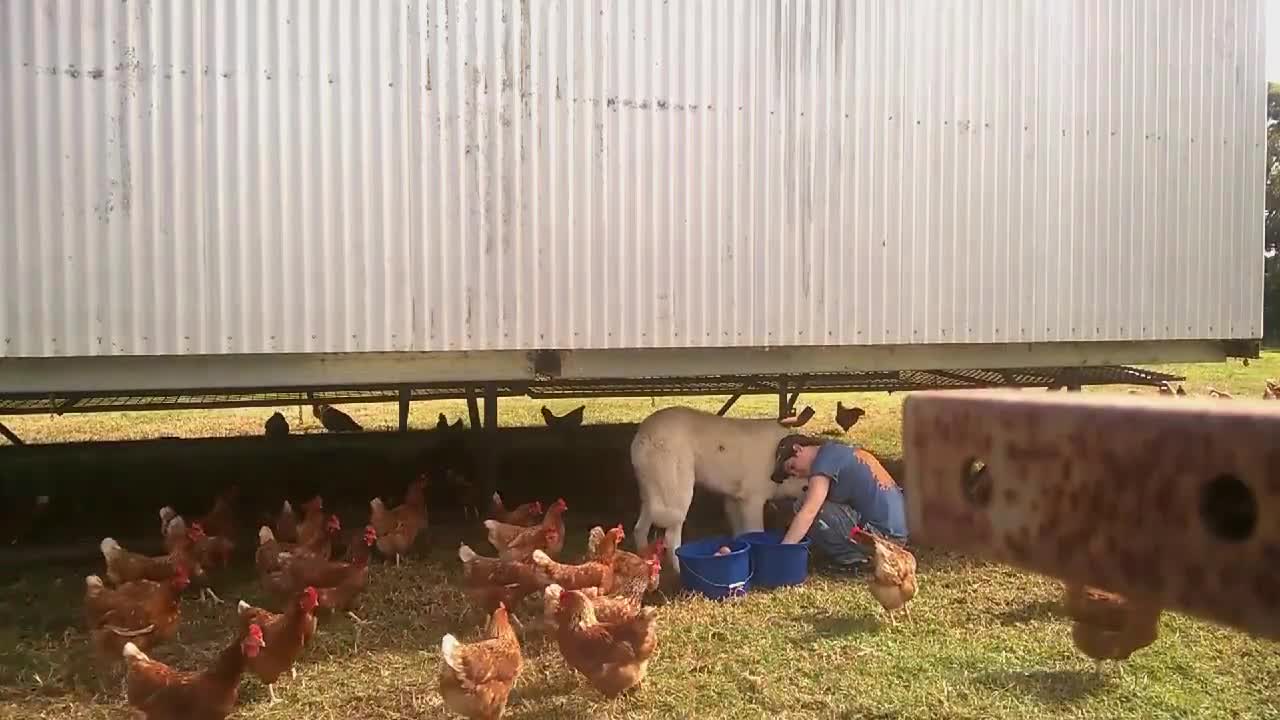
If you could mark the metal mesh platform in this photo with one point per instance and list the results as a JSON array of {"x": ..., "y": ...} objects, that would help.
[{"x": 870, "y": 381}]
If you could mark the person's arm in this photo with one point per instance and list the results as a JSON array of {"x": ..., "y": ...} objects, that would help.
[{"x": 814, "y": 496}]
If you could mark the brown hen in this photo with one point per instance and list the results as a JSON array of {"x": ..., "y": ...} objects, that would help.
[
  {"x": 286, "y": 634},
  {"x": 893, "y": 579},
  {"x": 160, "y": 692},
  {"x": 475, "y": 679},
  {"x": 614, "y": 657}
]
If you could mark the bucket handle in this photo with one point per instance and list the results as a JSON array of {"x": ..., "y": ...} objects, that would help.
[{"x": 738, "y": 589}]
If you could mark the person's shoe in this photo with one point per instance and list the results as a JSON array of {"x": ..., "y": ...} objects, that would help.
[{"x": 852, "y": 569}]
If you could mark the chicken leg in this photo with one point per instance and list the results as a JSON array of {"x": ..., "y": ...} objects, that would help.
[
  {"x": 271, "y": 693},
  {"x": 213, "y": 597}
]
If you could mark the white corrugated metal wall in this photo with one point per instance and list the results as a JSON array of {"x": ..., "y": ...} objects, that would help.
[{"x": 325, "y": 176}]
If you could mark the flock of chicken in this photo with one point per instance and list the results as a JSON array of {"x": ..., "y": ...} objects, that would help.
[
  {"x": 140, "y": 609},
  {"x": 593, "y": 607}
]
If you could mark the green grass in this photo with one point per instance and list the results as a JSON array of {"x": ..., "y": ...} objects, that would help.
[{"x": 984, "y": 641}]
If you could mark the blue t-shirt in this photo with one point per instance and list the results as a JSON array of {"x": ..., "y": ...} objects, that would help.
[{"x": 861, "y": 482}]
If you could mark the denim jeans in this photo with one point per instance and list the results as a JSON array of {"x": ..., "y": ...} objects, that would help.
[{"x": 829, "y": 533}]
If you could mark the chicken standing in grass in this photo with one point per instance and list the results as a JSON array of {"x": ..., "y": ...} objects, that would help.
[
  {"x": 515, "y": 542},
  {"x": 286, "y": 634},
  {"x": 209, "y": 552},
  {"x": 590, "y": 574},
  {"x": 491, "y": 582},
  {"x": 276, "y": 426},
  {"x": 143, "y": 612},
  {"x": 313, "y": 521},
  {"x": 527, "y": 514},
  {"x": 334, "y": 420},
  {"x": 160, "y": 692},
  {"x": 613, "y": 657},
  {"x": 475, "y": 679},
  {"x": 398, "y": 527},
  {"x": 344, "y": 590},
  {"x": 124, "y": 566},
  {"x": 893, "y": 580},
  {"x": 571, "y": 419}
]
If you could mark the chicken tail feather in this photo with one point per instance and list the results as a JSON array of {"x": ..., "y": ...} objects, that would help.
[
  {"x": 466, "y": 554},
  {"x": 449, "y": 647},
  {"x": 131, "y": 652},
  {"x": 110, "y": 548}
]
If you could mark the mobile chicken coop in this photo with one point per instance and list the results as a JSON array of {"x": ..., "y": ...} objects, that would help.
[{"x": 234, "y": 203}]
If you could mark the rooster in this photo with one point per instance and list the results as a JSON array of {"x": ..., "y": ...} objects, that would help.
[
  {"x": 614, "y": 657},
  {"x": 398, "y": 527},
  {"x": 847, "y": 417},
  {"x": 571, "y": 419},
  {"x": 162, "y": 693},
  {"x": 893, "y": 581},
  {"x": 334, "y": 420},
  {"x": 475, "y": 679},
  {"x": 286, "y": 634}
]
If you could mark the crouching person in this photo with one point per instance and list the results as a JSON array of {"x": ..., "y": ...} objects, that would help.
[{"x": 847, "y": 487}]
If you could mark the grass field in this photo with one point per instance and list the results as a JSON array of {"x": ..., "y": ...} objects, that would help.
[{"x": 984, "y": 641}]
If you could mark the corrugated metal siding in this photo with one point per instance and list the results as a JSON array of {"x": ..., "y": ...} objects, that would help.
[{"x": 252, "y": 176}]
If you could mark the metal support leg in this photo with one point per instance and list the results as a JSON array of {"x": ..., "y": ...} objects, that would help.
[
  {"x": 490, "y": 457},
  {"x": 728, "y": 404},
  {"x": 783, "y": 409},
  {"x": 10, "y": 436},
  {"x": 405, "y": 394},
  {"x": 473, "y": 407}
]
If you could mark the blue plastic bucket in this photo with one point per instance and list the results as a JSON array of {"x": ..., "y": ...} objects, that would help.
[
  {"x": 774, "y": 564},
  {"x": 711, "y": 575}
]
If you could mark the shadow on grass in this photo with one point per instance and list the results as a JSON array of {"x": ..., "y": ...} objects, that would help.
[
  {"x": 824, "y": 627},
  {"x": 563, "y": 685},
  {"x": 1051, "y": 686},
  {"x": 1038, "y": 610}
]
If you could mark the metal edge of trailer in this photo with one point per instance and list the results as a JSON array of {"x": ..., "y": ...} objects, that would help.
[{"x": 159, "y": 373}]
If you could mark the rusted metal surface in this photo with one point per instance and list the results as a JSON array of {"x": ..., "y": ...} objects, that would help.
[
  {"x": 1173, "y": 499},
  {"x": 59, "y": 403}
]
